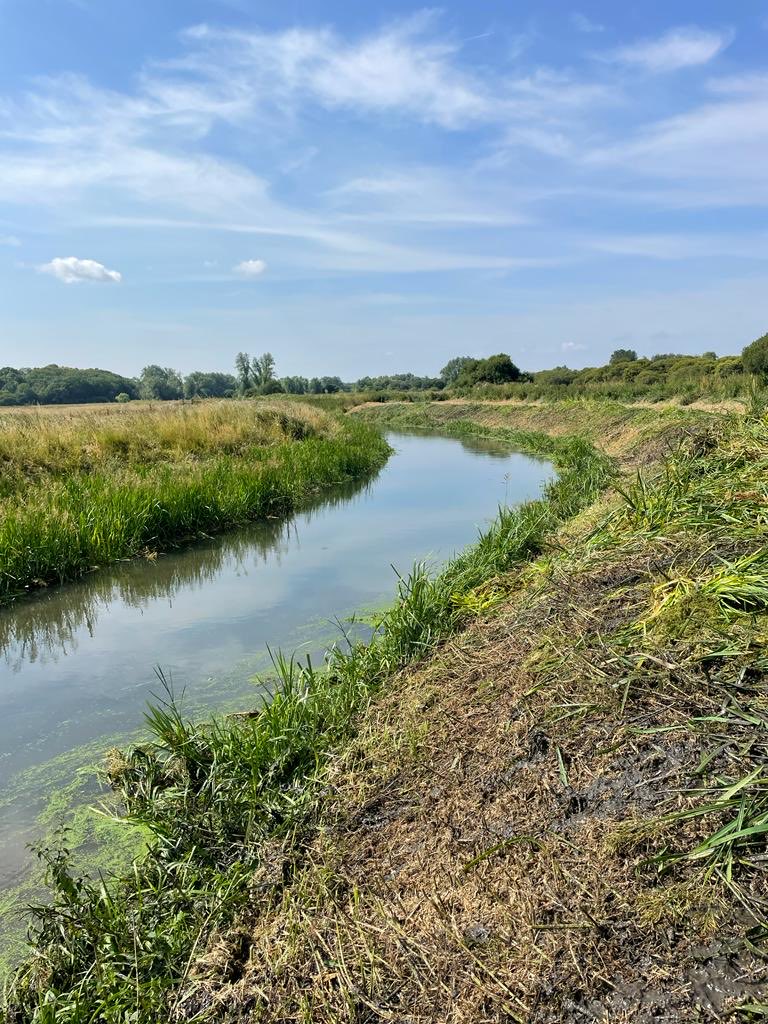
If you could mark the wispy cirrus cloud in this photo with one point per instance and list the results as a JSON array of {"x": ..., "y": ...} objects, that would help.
[
  {"x": 71, "y": 270},
  {"x": 407, "y": 69},
  {"x": 582, "y": 23},
  {"x": 721, "y": 144},
  {"x": 683, "y": 47}
]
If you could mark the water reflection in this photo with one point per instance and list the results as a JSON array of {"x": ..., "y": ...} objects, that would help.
[
  {"x": 44, "y": 627},
  {"x": 77, "y": 665}
]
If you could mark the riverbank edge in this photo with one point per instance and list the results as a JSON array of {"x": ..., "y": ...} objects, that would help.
[
  {"x": 560, "y": 814},
  {"x": 428, "y": 610},
  {"x": 63, "y": 528}
]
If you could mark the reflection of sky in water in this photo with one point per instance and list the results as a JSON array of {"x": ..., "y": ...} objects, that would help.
[{"x": 78, "y": 662}]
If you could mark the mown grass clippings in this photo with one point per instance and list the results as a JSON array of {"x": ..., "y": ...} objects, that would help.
[
  {"x": 625, "y": 742},
  {"x": 213, "y": 795}
]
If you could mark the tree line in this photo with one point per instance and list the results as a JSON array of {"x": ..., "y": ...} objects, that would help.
[{"x": 625, "y": 375}]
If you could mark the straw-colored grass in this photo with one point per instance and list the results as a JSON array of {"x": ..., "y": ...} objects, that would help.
[
  {"x": 81, "y": 489},
  {"x": 539, "y": 796}
]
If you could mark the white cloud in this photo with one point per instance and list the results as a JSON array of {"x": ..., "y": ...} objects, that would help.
[
  {"x": 72, "y": 270},
  {"x": 584, "y": 24},
  {"x": 425, "y": 196},
  {"x": 572, "y": 346},
  {"x": 723, "y": 143},
  {"x": 405, "y": 69},
  {"x": 398, "y": 68},
  {"x": 10, "y": 240},
  {"x": 682, "y": 47},
  {"x": 251, "y": 268},
  {"x": 685, "y": 246}
]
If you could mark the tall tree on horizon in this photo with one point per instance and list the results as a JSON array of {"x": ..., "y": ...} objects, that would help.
[
  {"x": 263, "y": 369},
  {"x": 243, "y": 367}
]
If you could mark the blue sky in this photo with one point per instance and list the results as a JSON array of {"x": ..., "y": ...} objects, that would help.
[{"x": 364, "y": 188}]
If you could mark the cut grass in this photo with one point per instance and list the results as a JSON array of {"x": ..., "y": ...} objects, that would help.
[
  {"x": 538, "y": 795},
  {"x": 83, "y": 491},
  {"x": 216, "y": 797}
]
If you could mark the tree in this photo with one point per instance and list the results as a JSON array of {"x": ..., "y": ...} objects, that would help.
[
  {"x": 623, "y": 355},
  {"x": 123, "y": 397},
  {"x": 160, "y": 382},
  {"x": 295, "y": 385},
  {"x": 755, "y": 357},
  {"x": 243, "y": 367},
  {"x": 498, "y": 369},
  {"x": 558, "y": 375},
  {"x": 209, "y": 385},
  {"x": 263, "y": 369},
  {"x": 454, "y": 367}
]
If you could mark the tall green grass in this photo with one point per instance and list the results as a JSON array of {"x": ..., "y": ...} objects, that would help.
[
  {"x": 73, "y": 513},
  {"x": 210, "y": 794}
]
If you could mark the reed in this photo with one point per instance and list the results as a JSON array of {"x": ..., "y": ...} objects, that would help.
[{"x": 83, "y": 490}]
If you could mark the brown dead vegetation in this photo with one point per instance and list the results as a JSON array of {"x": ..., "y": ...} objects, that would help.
[{"x": 487, "y": 850}]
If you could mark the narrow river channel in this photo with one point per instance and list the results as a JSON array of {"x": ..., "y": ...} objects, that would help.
[{"x": 77, "y": 663}]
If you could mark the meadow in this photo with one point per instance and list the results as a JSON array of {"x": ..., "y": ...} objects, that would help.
[{"x": 86, "y": 486}]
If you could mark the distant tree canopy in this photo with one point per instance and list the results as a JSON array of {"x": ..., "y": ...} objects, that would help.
[
  {"x": 59, "y": 385},
  {"x": 453, "y": 368},
  {"x": 497, "y": 369},
  {"x": 625, "y": 376},
  {"x": 623, "y": 355},
  {"x": 295, "y": 385},
  {"x": 210, "y": 385},
  {"x": 559, "y": 375},
  {"x": 160, "y": 382},
  {"x": 754, "y": 357},
  {"x": 256, "y": 375},
  {"x": 399, "y": 382}
]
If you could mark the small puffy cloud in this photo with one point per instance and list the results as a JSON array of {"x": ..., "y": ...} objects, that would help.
[
  {"x": 72, "y": 270},
  {"x": 251, "y": 268},
  {"x": 11, "y": 240},
  {"x": 679, "y": 48},
  {"x": 572, "y": 346},
  {"x": 584, "y": 24}
]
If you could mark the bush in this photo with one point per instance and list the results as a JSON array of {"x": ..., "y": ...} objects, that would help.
[{"x": 755, "y": 357}]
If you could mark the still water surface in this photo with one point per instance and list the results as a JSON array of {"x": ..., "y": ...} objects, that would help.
[{"x": 77, "y": 663}]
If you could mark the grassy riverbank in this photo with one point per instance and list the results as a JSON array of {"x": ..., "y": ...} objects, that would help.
[
  {"x": 82, "y": 488},
  {"x": 538, "y": 795},
  {"x": 217, "y": 796}
]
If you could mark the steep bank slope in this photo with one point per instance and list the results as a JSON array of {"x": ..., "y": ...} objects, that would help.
[
  {"x": 561, "y": 815},
  {"x": 558, "y": 814},
  {"x": 632, "y": 433}
]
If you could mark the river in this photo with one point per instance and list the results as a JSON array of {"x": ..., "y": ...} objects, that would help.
[{"x": 78, "y": 663}]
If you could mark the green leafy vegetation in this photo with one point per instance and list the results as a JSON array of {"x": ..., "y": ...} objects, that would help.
[
  {"x": 214, "y": 796},
  {"x": 626, "y": 377},
  {"x": 80, "y": 490},
  {"x": 755, "y": 357},
  {"x": 60, "y": 385}
]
